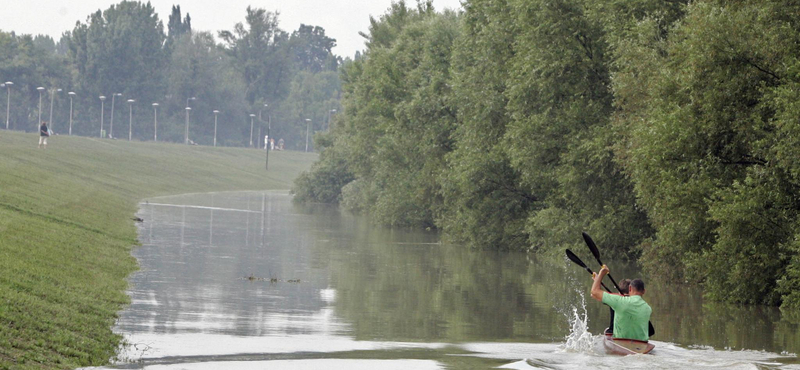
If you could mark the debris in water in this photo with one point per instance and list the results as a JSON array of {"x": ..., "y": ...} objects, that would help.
[{"x": 271, "y": 280}]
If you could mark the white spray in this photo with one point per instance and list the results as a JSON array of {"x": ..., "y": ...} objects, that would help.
[{"x": 579, "y": 339}]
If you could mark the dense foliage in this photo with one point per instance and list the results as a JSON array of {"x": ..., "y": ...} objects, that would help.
[
  {"x": 666, "y": 129},
  {"x": 125, "y": 52}
]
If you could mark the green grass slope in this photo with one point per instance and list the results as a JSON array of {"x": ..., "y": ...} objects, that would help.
[{"x": 66, "y": 232}]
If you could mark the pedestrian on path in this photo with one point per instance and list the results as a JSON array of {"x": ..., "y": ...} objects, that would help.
[{"x": 44, "y": 133}]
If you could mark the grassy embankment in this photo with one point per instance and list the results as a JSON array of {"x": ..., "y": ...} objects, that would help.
[{"x": 66, "y": 232}]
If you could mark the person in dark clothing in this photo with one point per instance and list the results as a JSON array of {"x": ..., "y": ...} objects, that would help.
[{"x": 44, "y": 133}]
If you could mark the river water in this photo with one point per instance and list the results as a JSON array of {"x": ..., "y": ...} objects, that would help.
[{"x": 251, "y": 281}]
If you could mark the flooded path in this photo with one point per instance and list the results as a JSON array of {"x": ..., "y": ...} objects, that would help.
[{"x": 251, "y": 281}]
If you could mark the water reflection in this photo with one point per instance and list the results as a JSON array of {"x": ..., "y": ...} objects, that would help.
[
  {"x": 195, "y": 262},
  {"x": 233, "y": 277}
]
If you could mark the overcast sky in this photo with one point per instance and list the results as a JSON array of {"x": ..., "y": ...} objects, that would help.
[{"x": 341, "y": 19}]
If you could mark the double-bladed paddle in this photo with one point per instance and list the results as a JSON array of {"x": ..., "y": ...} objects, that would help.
[
  {"x": 596, "y": 253},
  {"x": 572, "y": 257}
]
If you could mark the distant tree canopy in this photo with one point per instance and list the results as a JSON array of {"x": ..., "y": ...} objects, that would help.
[
  {"x": 312, "y": 49},
  {"x": 28, "y": 63},
  {"x": 667, "y": 130},
  {"x": 126, "y": 50}
]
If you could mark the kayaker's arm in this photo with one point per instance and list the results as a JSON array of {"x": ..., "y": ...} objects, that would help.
[{"x": 597, "y": 292}]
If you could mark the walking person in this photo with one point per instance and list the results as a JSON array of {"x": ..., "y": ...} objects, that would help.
[{"x": 44, "y": 133}]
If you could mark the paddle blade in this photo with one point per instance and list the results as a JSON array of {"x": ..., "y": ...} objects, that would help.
[
  {"x": 572, "y": 257},
  {"x": 592, "y": 246},
  {"x": 596, "y": 253}
]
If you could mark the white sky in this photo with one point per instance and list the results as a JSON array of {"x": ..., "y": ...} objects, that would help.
[{"x": 341, "y": 19}]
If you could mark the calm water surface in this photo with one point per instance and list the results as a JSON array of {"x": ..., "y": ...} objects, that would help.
[{"x": 251, "y": 281}]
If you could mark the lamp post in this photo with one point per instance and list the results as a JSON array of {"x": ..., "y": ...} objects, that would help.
[
  {"x": 266, "y": 140},
  {"x": 71, "y": 95},
  {"x": 188, "y": 108},
  {"x": 8, "y": 102},
  {"x": 269, "y": 125},
  {"x": 252, "y": 116},
  {"x": 40, "y": 105},
  {"x": 215, "y": 126},
  {"x": 261, "y": 120},
  {"x": 102, "y": 110},
  {"x": 308, "y": 124},
  {"x": 186, "y": 134},
  {"x": 52, "y": 99},
  {"x": 330, "y": 117},
  {"x": 155, "y": 121},
  {"x": 111, "y": 127},
  {"x": 130, "y": 118}
]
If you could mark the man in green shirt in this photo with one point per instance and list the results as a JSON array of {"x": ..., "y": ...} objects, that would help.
[{"x": 632, "y": 313}]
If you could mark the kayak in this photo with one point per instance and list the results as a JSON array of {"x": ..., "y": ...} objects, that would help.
[{"x": 620, "y": 346}]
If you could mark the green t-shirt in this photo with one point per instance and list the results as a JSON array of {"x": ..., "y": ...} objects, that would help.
[{"x": 631, "y": 315}]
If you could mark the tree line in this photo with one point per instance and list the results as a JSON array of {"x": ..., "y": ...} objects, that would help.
[
  {"x": 125, "y": 53},
  {"x": 667, "y": 130}
]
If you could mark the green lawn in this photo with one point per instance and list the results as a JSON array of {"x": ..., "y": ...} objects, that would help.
[{"x": 66, "y": 232}]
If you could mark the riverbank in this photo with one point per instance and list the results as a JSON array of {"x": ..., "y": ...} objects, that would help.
[{"x": 67, "y": 232}]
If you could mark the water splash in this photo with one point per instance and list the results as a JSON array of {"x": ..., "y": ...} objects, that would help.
[{"x": 579, "y": 339}]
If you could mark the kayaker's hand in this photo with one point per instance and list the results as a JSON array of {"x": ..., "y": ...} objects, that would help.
[{"x": 604, "y": 270}]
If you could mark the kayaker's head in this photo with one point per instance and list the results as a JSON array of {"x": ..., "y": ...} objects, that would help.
[
  {"x": 623, "y": 286},
  {"x": 636, "y": 287}
]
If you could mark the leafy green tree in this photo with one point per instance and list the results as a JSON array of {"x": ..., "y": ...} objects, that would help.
[
  {"x": 119, "y": 50},
  {"x": 397, "y": 121},
  {"x": 560, "y": 138},
  {"x": 177, "y": 27},
  {"x": 705, "y": 125},
  {"x": 29, "y": 62},
  {"x": 311, "y": 96},
  {"x": 261, "y": 52},
  {"x": 325, "y": 180},
  {"x": 483, "y": 204},
  {"x": 312, "y": 49},
  {"x": 414, "y": 76},
  {"x": 201, "y": 69}
]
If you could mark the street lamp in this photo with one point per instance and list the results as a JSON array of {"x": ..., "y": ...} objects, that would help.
[
  {"x": 155, "y": 121},
  {"x": 266, "y": 140},
  {"x": 40, "y": 105},
  {"x": 130, "y": 118},
  {"x": 215, "y": 126},
  {"x": 269, "y": 125},
  {"x": 187, "y": 100},
  {"x": 8, "y": 103},
  {"x": 102, "y": 110},
  {"x": 111, "y": 128},
  {"x": 71, "y": 95},
  {"x": 261, "y": 120},
  {"x": 52, "y": 99},
  {"x": 186, "y": 135},
  {"x": 308, "y": 124},
  {"x": 330, "y": 116},
  {"x": 252, "y": 116}
]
